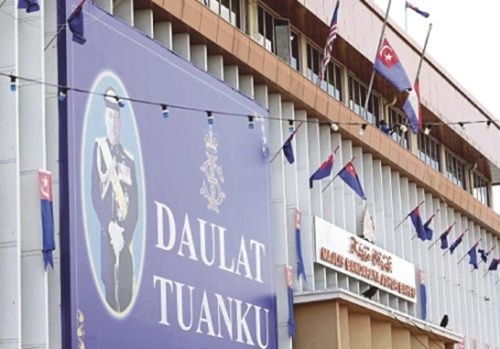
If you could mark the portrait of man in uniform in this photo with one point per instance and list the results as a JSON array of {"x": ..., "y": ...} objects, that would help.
[{"x": 115, "y": 202}]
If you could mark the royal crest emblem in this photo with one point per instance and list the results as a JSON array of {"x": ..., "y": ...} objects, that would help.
[{"x": 214, "y": 176}]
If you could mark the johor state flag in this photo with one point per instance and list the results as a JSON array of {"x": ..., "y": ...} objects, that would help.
[
  {"x": 75, "y": 24},
  {"x": 298, "y": 244},
  {"x": 288, "y": 150},
  {"x": 350, "y": 177},
  {"x": 494, "y": 264},
  {"x": 423, "y": 296},
  {"x": 323, "y": 171},
  {"x": 417, "y": 10},
  {"x": 444, "y": 237},
  {"x": 388, "y": 65},
  {"x": 29, "y": 5},
  {"x": 484, "y": 254},
  {"x": 417, "y": 223},
  {"x": 412, "y": 108},
  {"x": 49, "y": 245},
  {"x": 428, "y": 230},
  {"x": 457, "y": 241},
  {"x": 473, "y": 256},
  {"x": 289, "y": 286}
]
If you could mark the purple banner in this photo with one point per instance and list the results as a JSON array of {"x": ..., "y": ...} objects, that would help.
[{"x": 169, "y": 214}]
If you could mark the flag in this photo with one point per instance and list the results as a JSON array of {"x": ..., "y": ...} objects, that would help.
[
  {"x": 417, "y": 223},
  {"x": 412, "y": 108},
  {"x": 444, "y": 237},
  {"x": 49, "y": 245},
  {"x": 29, "y": 5},
  {"x": 484, "y": 254},
  {"x": 75, "y": 24},
  {"x": 423, "y": 296},
  {"x": 289, "y": 286},
  {"x": 298, "y": 245},
  {"x": 417, "y": 10},
  {"x": 473, "y": 256},
  {"x": 457, "y": 242},
  {"x": 428, "y": 230},
  {"x": 288, "y": 150},
  {"x": 367, "y": 226},
  {"x": 323, "y": 171},
  {"x": 494, "y": 264},
  {"x": 350, "y": 177},
  {"x": 388, "y": 65},
  {"x": 332, "y": 34}
]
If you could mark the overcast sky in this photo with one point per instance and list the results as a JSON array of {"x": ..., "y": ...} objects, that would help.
[{"x": 464, "y": 40}]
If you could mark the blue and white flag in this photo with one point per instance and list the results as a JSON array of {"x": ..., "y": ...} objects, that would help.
[
  {"x": 49, "y": 245},
  {"x": 389, "y": 66}
]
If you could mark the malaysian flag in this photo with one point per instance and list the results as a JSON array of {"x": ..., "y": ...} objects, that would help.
[{"x": 332, "y": 34}]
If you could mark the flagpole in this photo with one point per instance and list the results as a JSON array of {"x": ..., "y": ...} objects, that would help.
[
  {"x": 283, "y": 145},
  {"x": 372, "y": 78},
  {"x": 397, "y": 226},
  {"x": 406, "y": 18},
  {"x": 423, "y": 52},
  {"x": 337, "y": 173}
]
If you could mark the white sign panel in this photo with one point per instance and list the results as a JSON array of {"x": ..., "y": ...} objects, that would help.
[{"x": 349, "y": 254}]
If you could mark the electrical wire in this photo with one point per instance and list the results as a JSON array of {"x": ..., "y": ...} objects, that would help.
[{"x": 218, "y": 112}]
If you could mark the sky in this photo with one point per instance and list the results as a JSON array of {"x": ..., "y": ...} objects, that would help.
[{"x": 463, "y": 40}]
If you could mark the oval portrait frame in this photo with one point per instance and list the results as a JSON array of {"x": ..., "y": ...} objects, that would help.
[{"x": 93, "y": 128}]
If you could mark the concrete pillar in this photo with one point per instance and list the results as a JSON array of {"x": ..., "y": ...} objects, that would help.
[
  {"x": 216, "y": 66},
  {"x": 124, "y": 9},
  {"x": 163, "y": 33},
  {"x": 199, "y": 56},
  {"x": 231, "y": 76},
  {"x": 143, "y": 20},
  {"x": 181, "y": 45},
  {"x": 246, "y": 86}
]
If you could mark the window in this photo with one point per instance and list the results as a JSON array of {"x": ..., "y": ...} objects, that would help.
[
  {"x": 396, "y": 118},
  {"x": 275, "y": 35},
  {"x": 230, "y": 10},
  {"x": 295, "y": 56},
  {"x": 480, "y": 188},
  {"x": 357, "y": 96},
  {"x": 455, "y": 170},
  {"x": 332, "y": 81},
  {"x": 428, "y": 150}
]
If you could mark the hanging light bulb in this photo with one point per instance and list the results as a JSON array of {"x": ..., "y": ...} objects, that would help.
[
  {"x": 210, "y": 118},
  {"x": 427, "y": 129},
  {"x": 250, "y": 122},
  {"x": 164, "y": 111},
  {"x": 462, "y": 125},
  {"x": 334, "y": 127},
  {"x": 13, "y": 83},
  {"x": 63, "y": 92},
  {"x": 290, "y": 126},
  {"x": 121, "y": 104},
  {"x": 362, "y": 129},
  {"x": 403, "y": 128},
  {"x": 488, "y": 123}
]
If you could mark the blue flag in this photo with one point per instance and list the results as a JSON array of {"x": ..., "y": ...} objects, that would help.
[
  {"x": 428, "y": 230},
  {"x": 423, "y": 297},
  {"x": 49, "y": 245},
  {"x": 444, "y": 237},
  {"x": 417, "y": 223},
  {"x": 350, "y": 177},
  {"x": 484, "y": 254},
  {"x": 75, "y": 24},
  {"x": 473, "y": 256},
  {"x": 298, "y": 244},
  {"x": 288, "y": 150},
  {"x": 457, "y": 242},
  {"x": 388, "y": 65},
  {"x": 417, "y": 10},
  {"x": 289, "y": 286},
  {"x": 494, "y": 264},
  {"x": 323, "y": 171},
  {"x": 29, "y": 5},
  {"x": 411, "y": 108}
]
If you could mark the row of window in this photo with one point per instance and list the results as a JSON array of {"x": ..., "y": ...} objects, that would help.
[{"x": 276, "y": 35}]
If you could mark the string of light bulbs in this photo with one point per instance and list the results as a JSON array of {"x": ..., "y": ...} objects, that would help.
[{"x": 165, "y": 109}]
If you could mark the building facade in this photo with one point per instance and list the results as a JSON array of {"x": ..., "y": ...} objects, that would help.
[{"x": 262, "y": 59}]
